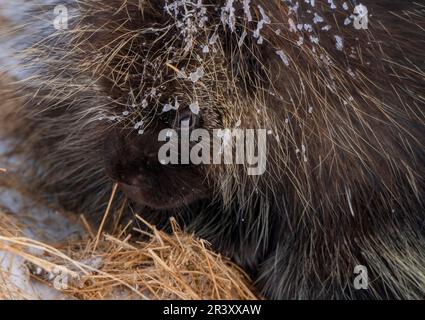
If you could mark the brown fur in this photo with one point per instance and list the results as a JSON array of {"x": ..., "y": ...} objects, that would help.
[{"x": 346, "y": 159}]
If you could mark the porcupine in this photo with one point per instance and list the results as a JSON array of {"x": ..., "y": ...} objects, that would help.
[{"x": 342, "y": 104}]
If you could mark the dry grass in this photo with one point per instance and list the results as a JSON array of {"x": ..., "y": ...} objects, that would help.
[{"x": 121, "y": 265}]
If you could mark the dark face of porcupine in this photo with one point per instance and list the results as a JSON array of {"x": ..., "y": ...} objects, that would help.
[
  {"x": 130, "y": 70},
  {"x": 174, "y": 63},
  {"x": 341, "y": 102}
]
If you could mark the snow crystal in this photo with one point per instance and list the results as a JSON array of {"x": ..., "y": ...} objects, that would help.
[
  {"x": 205, "y": 49},
  {"x": 197, "y": 75},
  {"x": 311, "y": 2},
  {"x": 283, "y": 56},
  {"x": 167, "y": 107},
  {"x": 339, "y": 43},
  {"x": 308, "y": 27},
  {"x": 300, "y": 41},
  {"x": 228, "y": 15},
  {"x": 332, "y": 4},
  {"x": 213, "y": 39},
  {"x": 247, "y": 10},
  {"x": 317, "y": 19},
  {"x": 190, "y": 17},
  {"x": 293, "y": 8},
  {"x": 138, "y": 125},
  {"x": 351, "y": 72},
  {"x": 194, "y": 107},
  {"x": 347, "y": 21},
  {"x": 292, "y": 26},
  {"x": 314, "y": 39},
  {"x": 264, "y": 20},
  {"x": 360, "y": 10}
]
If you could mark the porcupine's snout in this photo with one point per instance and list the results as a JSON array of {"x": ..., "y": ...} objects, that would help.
[{"x": 133, "y": 161}]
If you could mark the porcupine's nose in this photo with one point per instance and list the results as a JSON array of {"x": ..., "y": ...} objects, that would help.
[{"x": 129, "y": 156}]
